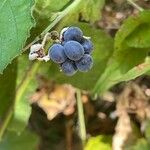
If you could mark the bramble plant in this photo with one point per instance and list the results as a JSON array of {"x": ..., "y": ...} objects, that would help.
[{"x": 62, "y": 41}]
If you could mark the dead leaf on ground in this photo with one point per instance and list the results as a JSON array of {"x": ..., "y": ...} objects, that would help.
[{"x": 54, "y": 99}]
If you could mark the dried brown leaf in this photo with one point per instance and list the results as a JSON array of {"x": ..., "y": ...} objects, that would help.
[{"x": 54, "y": 99}]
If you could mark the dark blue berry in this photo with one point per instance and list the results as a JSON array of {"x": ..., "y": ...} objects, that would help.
[
  {"x": 57, "y": 54},
  {"x": 69, "y": 68},
  {"x": 85, "y": 63},
  {"x": 88, "y": 46},
  {"x": 73, "y": 33},
  {"x": 73, "y": 50}
]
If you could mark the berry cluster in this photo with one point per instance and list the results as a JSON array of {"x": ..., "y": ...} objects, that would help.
[{"x": 73, "y": 52}]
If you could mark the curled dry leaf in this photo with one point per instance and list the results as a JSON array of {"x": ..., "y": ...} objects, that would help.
[
  {"x": 132, "y": 100},
  {"x": 54, "y": 100},
  {"x": 123, "y": 130}
]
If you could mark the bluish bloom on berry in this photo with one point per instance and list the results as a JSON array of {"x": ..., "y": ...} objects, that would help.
[
  {"x": 69, "y": 68},
  {"x": 57, "y": 54},
  {"x": 85, "y": 63},
  {"x": 73, "y": 33},
  {"x": 73, "y": 50},
  {"x": 87, "y": 45}
]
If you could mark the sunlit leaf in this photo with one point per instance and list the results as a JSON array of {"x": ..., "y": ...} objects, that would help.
[{"x": 99, "y": 143}]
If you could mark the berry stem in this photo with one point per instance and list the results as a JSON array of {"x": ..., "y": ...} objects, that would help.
[
  {"x": 81, "y": 119},
  {"x": 45, "y": 39},
  {"x": 135, "y": 5}
]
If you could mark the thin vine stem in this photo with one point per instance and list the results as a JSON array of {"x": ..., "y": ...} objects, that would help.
[
  {"x": 30, "y": 75},
  {"x": 5, "y": 122},
  {"x": 135, "y": 5},
  {"x": 20, "y": 91},
  {"x": 81, "y": 120}
]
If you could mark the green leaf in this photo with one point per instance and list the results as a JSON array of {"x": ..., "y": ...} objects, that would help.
[
  {"x": 46, "y": 9},
  {"x": 21, "y": 114},
  {"x": 103, "y": 47},
  {"x": 99, "y": 143},
  {"x": 90, "y": 9},
  {"x": 15, "y": 23},
  {"x": 113, "y": 75},
  {"x": 129, "y": 26},
  {"x": 8, "y": 88},
  {"x": 140, "y": 38},
  {"x": 25, "y": 141},
  {"x": 126, "y": 62},
  {"x": 22, "y": 108},
  {"x": 87, "y": 11}
]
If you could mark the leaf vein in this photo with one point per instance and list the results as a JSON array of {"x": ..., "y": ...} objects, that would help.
[{"x": 3, "y": 4}]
